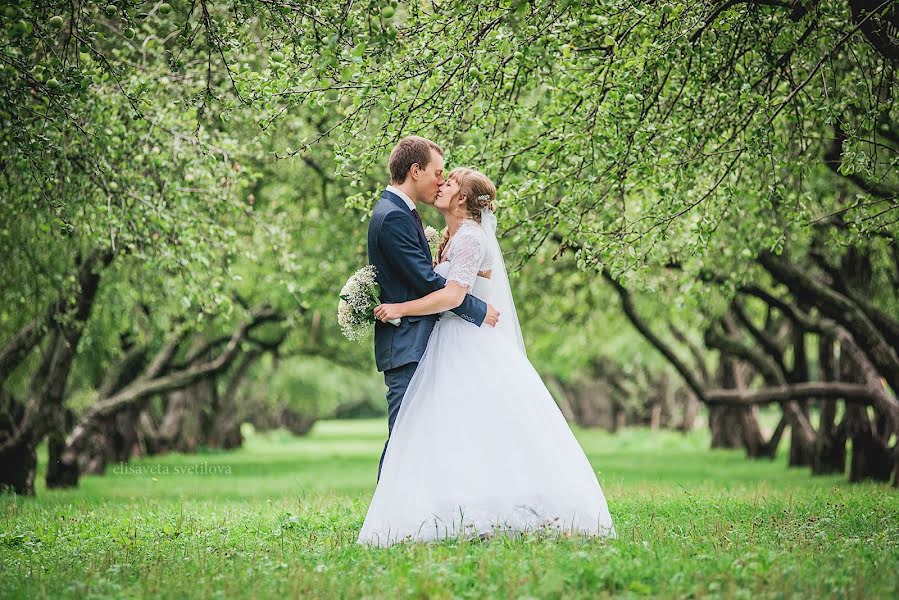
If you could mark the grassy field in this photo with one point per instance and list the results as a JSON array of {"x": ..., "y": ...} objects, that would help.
[{"x": 279, "y": 518}]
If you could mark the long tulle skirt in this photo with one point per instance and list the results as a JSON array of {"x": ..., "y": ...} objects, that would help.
[{"x": 479, "y": 446}]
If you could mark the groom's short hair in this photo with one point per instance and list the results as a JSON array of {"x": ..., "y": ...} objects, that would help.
[{"x": 410, "y": 150}]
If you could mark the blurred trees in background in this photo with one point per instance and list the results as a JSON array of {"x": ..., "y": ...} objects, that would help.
[{"x": 699, "y": 200}]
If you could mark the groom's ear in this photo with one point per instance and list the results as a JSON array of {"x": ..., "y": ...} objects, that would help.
[{"x": 414, "y": 171}]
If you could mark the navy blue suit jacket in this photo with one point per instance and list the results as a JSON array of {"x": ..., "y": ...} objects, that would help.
[{"x": 398, "y": 249}]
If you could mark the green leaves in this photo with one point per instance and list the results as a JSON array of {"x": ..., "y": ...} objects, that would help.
[{"x": 616, "y": 129}]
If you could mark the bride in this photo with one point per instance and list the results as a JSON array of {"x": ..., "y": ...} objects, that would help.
[{"x": 479, "y": 445}]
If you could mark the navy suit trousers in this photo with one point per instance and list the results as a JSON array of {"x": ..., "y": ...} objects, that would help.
[{"x": 397, "y": 381}]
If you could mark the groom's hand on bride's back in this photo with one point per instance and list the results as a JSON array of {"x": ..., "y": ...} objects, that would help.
[{"x": 492, "y": 317}]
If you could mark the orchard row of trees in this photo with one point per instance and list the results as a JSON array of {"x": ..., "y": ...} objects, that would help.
[
  {"x": 701, "y": 199},
  {"x": 163, "y": 281},
  {"x": 731, "y": 166}
]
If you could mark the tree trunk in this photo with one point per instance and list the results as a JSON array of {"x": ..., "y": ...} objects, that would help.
[
  {"x": 725, "y": 426},
  {"x": 661, "y": 401},
  {"x": 655, "y": 414},
  {"x": 627, "y": 305},
  {"x": 298, "y": 424},
  {"x": 830, "y": 452},
  {"x": 619, "y": 417},
  {"x": 228, "y": 415},
  {"x": 19, "y": 461},
  {"x": 839, "y": 308},
  {"x": 732, "y": 348},
  {"x": 594, "y": 403},
  {"x": 44, "y": 404},
  {"x": 690, "y": 408},
  {"x": 60, "y": 474},
  {"x": 20, "y": 346},
  {"x": 201, "y": 396},
  {"x": 753, "y": 440},
  {"x": 869, "y": 458},
  {"x": 830, "y": 443},
  {"x": 170, "y": 428},
  {"x": 265, "y": 416},
  {"x": 115, "y": 438},
  {"x": 147, "y": 433},
  {"x": 802, "y": 447},
  {"x": 766, "y": 366},
  {"x": 727, "y": 423},
  {"x": 157, "y": 380},
  {"x": 115, "y": 441},
  {"x": 770, "y": 448}
]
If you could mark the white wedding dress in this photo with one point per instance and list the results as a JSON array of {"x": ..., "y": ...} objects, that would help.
[{"x": 479, "y": 444}]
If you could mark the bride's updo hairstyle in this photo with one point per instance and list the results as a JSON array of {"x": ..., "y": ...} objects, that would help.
[
  {"x": 479, "y": 193},
  {"x": 477, "y": 189}
]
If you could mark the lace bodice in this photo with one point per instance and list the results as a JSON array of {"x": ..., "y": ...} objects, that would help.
[{"x": 468, "y": 255}]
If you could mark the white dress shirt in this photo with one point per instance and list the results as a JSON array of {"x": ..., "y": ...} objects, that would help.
[{"x": 402, "y": 195}]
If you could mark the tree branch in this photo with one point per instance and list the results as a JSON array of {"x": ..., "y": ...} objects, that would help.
[
  {"x": 149, "y": 384},
  {"x": 627, "y": 305},
  {"x": 850, "y": 392},
  {"x": 839, "y": 308}
]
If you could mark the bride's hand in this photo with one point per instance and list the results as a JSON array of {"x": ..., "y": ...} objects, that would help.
[{"x": 386, "y": 312}]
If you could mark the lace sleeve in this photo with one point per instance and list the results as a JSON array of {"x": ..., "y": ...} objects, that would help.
[{"x": 468, "y": 252}]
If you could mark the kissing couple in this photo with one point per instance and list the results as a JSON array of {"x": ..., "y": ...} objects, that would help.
[{"x": 476, "y": 444}]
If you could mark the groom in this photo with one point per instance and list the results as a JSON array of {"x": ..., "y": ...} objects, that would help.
[{"x": 399, "y": 250}]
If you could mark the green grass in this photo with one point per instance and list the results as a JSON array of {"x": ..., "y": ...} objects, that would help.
[{"x": 281, "y": 517}]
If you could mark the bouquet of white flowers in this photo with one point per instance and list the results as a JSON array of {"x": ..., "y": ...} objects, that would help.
[
  {"x": 433, "y": 237},
  {"x": 358, "y": 298}
]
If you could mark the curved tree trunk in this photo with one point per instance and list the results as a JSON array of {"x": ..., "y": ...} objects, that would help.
[
  {"x": 115, "y": 439},
  {"x": 770, "y": 448},
  {"x": 869, "y": 457},
  {"x": 43, "y": 409},
  {"x": 730, "y": 346},
  {"x": 839, "y": 308},
  {"x": 155, "y": 380}
]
